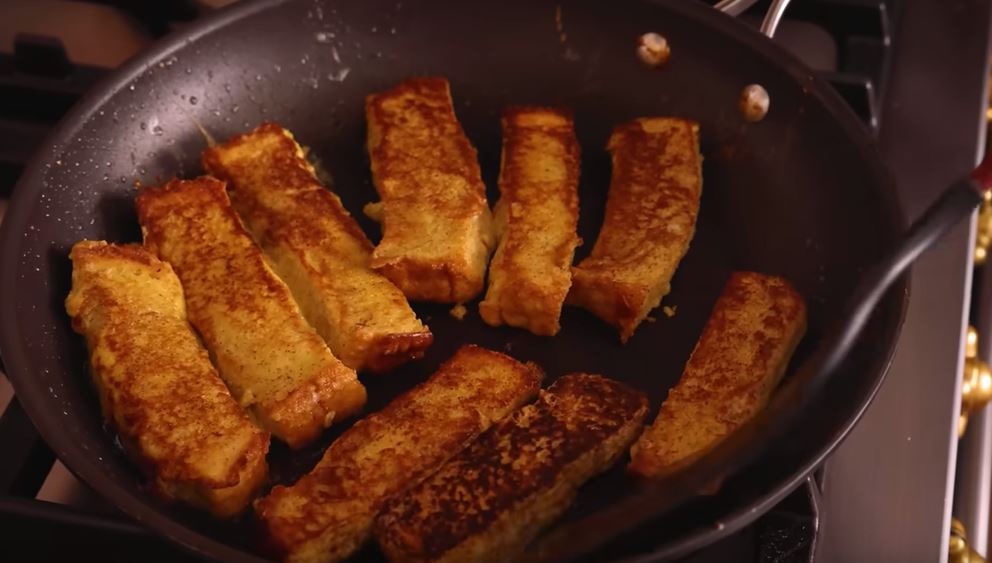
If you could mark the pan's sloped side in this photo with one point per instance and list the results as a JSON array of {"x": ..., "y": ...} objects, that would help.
[{"x": 801, "y": 194}]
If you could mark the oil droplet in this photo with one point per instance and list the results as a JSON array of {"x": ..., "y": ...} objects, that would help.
[
  {"x": 123, "y": 180},
  {"x": 131, "y": 87}
]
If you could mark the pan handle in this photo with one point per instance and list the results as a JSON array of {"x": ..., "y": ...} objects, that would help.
[{"x": 772, "y": 17}]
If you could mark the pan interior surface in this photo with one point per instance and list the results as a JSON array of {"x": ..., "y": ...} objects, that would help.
[{"x": 800, "y": 194}]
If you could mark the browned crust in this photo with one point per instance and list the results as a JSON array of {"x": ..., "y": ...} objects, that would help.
[
  {"x": 393, "y": 350},
  {"x": 535, "y": 218},
  {"x": 156, "y": 384},
  {"x": 318, "y": 249},
  {"x": 742, "y": 354},
  {"x": 650, "y": 219},
  {"x": 272, "y": 360},
  {"x": 328, "y": 513},
  {"x": 493, "y": 497},
  {"x": 436, "y": 222}
]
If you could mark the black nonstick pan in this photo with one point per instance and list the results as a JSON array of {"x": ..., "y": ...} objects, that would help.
[{"x": 801, "y": 193}]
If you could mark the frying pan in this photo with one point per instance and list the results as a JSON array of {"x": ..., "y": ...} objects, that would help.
[{"x": 800, "y": 194}]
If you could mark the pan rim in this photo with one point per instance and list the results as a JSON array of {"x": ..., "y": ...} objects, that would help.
[{"x": 24, "y": 198}]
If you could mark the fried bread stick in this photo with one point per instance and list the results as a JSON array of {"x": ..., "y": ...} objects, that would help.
[
  {"x": 273, "y": 361},
  {"x": 327, "y": 515},
  {"x": 436, "y": 224},
  {"x": 155, "y": 381},
  {"x": 650, "y": 219},
  {"x": 495, "y": 496},
  {"x": 535, "y": 220},
  {"x": 318, "y": 249},
  {"x": 742, "y": 354}
]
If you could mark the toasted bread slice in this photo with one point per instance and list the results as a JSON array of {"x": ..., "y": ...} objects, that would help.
[
  {"x": 327, "y": 515},
  {"x": 436, "y": 224},
  {"x": 271, "y": 359},
  {"x": 739, "y": 359},
  {"x": 493, "y": 498},
  {"x": 650, "y": 218},
  {"x": 156, "y": 384},
  {"x": 535, "y": 220},
  {"x": 318, "y": 249}
]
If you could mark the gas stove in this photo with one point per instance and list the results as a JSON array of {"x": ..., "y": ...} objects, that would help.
[{"x": 915, "y": 72}]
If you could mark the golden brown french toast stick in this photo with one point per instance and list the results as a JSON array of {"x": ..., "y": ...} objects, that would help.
[
  {"x": 436, "y": 224},
  {"x": 327, "y": 515},
  {"x": 535, "y": 220},
  {"x": 650, "y": 219},
  {"x": 156, "y": 384},
  {"x": 318, "y": 249},
  {"x": 273, "y": 361},
  {"x": 494, "y": 497},
  {"x": 742, "y": 354}
]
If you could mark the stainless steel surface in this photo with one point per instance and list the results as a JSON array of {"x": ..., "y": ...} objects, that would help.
[
  {"x": 974, "y": 478},
  {"x": 973, "y": 484},
  {"x": 772, "y": 16},
  {"x": 734, "y": 7},
  {"x": 888, "y": 488}
]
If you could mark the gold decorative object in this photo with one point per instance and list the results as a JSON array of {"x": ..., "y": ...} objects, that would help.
[
  {"x": 958, "y": 550},
  {"x": 976, "y": 389},
  {"x": 983, "y": 234}
]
